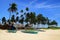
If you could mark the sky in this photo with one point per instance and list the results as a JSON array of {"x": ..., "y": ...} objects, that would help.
[{"x": 49, "y": 8}]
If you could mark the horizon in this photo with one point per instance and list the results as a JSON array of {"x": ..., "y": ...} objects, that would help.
[{"x": 49, "y": 8}]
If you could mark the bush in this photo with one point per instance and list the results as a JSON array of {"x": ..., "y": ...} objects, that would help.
[{"x": 6, "y": 26}]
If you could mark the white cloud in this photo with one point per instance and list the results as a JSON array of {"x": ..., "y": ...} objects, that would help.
[
  {"x": 42, "y": 5},
  {"x": 31, "y": 2},
  {"x": 45, "y": 5}
]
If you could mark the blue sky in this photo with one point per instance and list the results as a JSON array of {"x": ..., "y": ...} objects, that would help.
[{"x": 49, "y": 8}]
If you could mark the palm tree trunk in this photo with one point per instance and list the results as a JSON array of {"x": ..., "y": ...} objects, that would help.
[{"x": 9, "y": 17}]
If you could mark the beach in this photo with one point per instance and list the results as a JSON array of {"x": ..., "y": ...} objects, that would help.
[{"x": 42, "y": 35}]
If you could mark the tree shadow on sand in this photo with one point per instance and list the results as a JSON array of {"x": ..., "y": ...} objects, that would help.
[{"x": 40, "y": 30}]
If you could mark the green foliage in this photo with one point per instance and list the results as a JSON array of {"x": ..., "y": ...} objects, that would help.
[
  {"x": 4, "y": 20},
  {"x": 21, "y": 11},
  {"x": 53, "y": 22},
  {"x": 12, "y": 8},
  {"x": 53, "y": 27},
  {"x": 32, "y": 18},
  {"x": 29, "y": 16},
  {"x": 41, "y": 19},
  {"x": 21, "y": 16},
  {"x": 27, "y": 9},
  {"x": 48, "y": 21},
  {"x": 17, "y": 18},
  {"x": 8, "y": 21},
  {"x": 17, "y": 13},
  {"x": 13, "y": 18},
  {"x": 21, "y": 20}
]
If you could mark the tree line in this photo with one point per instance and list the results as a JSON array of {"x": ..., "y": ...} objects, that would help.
[{"x": 27, "y": 17}]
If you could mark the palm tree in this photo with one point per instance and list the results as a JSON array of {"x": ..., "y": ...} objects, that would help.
[
  {"x": 21, "y": 16},
  {"x": 17, "y": 19},
  {"x": 32, "y": 17},
  {"x": 27, "y": 9},
  {"x": 8, "y": 21},
  {"x": 13, "y": 18},
  {"x": 41, "y": 19},
  {"x": 12, "y": 8},
  {"x": 17, "y": 13},
  {"x": 21, "y": 11},
  {"x": 44, "y": 20},
  {"x": 26, "y": 14},
  {"x": 21, "y": 20},
  {"x": 27, "y": 18},
  {"x": 3, "y": 20},
  {"x": 53, "y": 23},
  {"x": 48, "y": 21}
]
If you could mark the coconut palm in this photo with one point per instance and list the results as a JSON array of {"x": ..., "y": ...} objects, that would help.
[
  {"x": 17, "y": 19},
  {"x": 32, "y": 17},
  {"x": 12, "y": 8},
  {"x": 27, "y": 9},
  {"x": 17, "y": 13},
  {"x": 26, "y": 15},
  {"x": 48, "y": 21},
  {"x": 21, "y": 11},
  {"x": 41, "y": 19},
  {"x": 27, "y": 18},
  {"x": 21, "y": 20},
  {"x": 3, "y": 20},
  {"x": 53, "y": 23},
  {"x": 13, "y": 18},
  {"x": 44, "y": 20},
  {"x": 8, "y": 21}
]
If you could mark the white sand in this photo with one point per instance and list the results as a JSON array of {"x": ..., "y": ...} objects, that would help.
[{"x": 47, "y": 35}]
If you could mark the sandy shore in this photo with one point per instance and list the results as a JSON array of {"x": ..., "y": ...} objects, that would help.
[{"x": 47, "y": 35}]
